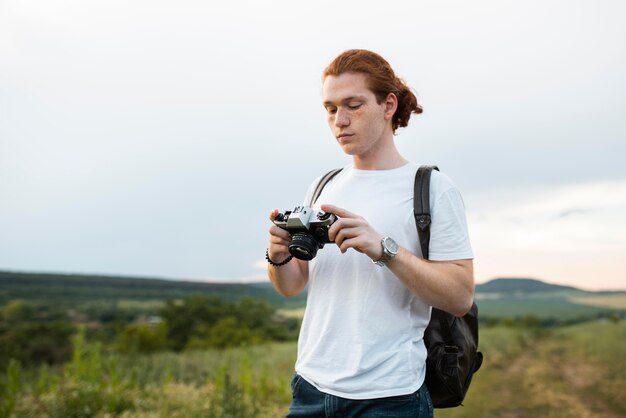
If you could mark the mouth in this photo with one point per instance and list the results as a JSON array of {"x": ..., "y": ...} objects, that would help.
[{"x": 343, "y": 137}]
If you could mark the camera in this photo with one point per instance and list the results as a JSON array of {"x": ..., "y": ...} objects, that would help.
[{"x": 308, "y": 228}]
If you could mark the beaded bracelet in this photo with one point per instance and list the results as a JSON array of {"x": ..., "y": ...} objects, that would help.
[{"x": 267, "y": 257}]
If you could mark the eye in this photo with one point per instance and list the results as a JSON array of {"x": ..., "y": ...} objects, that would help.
[
  {"x": 331, "y": 110},
  {"x": 354, "y": 106}
]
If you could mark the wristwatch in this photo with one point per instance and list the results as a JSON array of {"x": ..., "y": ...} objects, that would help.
[{"x": 390, "y": 249}]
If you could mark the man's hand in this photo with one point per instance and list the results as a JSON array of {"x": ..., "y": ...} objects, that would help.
[
  {"x": 291, "y": 278},
  {"x": 278, "y": 248},
  {"x": 352, "y": 231},
  {"x": 447, "y": 285}
]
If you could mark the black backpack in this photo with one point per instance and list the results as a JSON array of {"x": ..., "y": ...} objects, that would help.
[{"x": 452, "y": 342}]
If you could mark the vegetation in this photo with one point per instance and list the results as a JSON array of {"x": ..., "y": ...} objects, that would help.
[
  {"x": 89, "y": 353},
  {"x": 198, "y": 322},
  {"x": 572, "y": 371},
  {"x": 577, "y": 370},
  {"x": 552, "y": 311},
  {"x": 243, "y": 382},
  {"x": 202, "y": 322},
  {"x": 511, "y": 286},
  {"x": 100, "y": 293}
]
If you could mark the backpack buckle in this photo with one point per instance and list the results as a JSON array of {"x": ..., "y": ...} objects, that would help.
[
  {"x": 450, "y": 349},
  {"x": 423, "y": 221}
]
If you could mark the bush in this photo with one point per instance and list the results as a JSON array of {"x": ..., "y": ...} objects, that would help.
[
  {"x": 143, "y": 338},
  {"x": 90, "y": 385},
  {"x": 227, "y": 332},
  {"x": 17, "y": 311},
  {"x": 34, "y": 344},
  {"x": 208, "y": 322},
  {"x": 9, "y": 388}
]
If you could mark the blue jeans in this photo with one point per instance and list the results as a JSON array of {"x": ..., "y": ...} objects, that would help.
[{"x": 311, "y": 403}]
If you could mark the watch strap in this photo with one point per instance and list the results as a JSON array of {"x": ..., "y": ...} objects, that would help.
[{"x": 387, "y": 254}]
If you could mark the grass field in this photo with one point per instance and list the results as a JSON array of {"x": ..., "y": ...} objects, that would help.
[
  {"x": 574, "y": 371},
  {"x": 154, "y": 304},
  {"x": 543, "y": 308},
  {"x": 611, "y": 301},
  {"x": 234, "y": 383}
]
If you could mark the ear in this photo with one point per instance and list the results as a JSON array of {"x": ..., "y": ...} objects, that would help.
[{"x": 391, "y": 105}]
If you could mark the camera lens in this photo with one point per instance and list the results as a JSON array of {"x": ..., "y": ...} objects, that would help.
[{"x": 303, "y": 246}]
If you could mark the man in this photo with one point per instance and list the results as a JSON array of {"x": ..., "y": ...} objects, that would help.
[{"x": 360, "y": 351}]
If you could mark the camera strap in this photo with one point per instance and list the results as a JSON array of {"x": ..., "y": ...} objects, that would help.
[
  {"x": 323, "y": 181},
  {"x": 421, "y": 205}
]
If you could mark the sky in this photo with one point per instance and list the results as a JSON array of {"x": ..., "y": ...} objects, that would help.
[{"x": 152, "y": 138}]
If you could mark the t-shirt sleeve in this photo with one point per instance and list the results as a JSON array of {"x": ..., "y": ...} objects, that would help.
[{"x": 449, "y": 237}]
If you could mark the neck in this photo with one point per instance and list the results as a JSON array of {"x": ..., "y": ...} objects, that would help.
[{"x": 384, "y": 157}]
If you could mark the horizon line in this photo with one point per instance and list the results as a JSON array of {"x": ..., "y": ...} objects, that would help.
[{"x": 256, "y": 279}]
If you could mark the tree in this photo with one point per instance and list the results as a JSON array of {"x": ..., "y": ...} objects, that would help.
[
  {"x": 143, "y": 338},
  {"x": 184, "y": 317},
  {"x": 34, "y": 344},
  {"x": 17, "y": 311}
]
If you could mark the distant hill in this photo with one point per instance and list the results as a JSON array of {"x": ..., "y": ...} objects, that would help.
[
  {"x": 504, "y": 285},
  {"x": 520, "y": 297},
  {"x": 84, "y": 288},
  {"x": 498, "y": 298}
]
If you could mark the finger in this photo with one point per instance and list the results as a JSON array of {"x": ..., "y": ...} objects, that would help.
[
  {"x": 353, "y": 243},
  {"x": 343, "y": 223},
  {"x": 346, "y": 233},
  {"x": 273, "y": 214},
  {"x": 279, "y": 232},
  {"x": 279, "y": 240},
  {"x": 342, "y": 213}
]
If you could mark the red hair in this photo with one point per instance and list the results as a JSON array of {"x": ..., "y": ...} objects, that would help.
[{"x": 381, "y": 81}]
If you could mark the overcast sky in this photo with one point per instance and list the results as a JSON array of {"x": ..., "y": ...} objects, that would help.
[{"x": 152, "y": 138}]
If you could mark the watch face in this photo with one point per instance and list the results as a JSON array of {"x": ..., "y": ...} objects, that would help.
[{"x": 391, "y": 245}]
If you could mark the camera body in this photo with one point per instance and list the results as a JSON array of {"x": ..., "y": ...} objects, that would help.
[{"x": 308, "y": 228}]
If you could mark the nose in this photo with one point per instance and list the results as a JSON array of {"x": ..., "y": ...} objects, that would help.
[{"x": 341, "y": 118}]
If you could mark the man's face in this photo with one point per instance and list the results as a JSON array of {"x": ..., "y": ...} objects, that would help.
[{"x": 357, "y": 121}]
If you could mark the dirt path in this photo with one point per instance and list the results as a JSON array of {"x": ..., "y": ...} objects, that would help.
[
  {"x": 548, "y": 379},
  {"x": 556, "y": 382}
]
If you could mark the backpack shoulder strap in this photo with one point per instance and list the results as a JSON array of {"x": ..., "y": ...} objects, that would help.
[
  {"x": 320, "y": 186},
  {"x": 421, "y": 205}
]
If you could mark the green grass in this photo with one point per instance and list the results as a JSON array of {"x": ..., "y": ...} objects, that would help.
[
  {"x": 244, "y": 382},
  {"x": 611, "y": 301},
  {"x": 542, "y": 308},
  {"x": 271, "y": 361},
  {"x": 142, "y": 305},
  {"x": 573, "y": 371}
]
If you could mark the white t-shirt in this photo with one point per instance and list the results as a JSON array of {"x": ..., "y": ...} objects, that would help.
[{"x": 362, "y": 331}]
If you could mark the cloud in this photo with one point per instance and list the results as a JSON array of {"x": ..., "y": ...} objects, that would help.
[
  {"x": 573, "y": 211},
  {"x": 568, "y": 231},
  {"x": 575, "y": 218},
  {"x": 129, "y": 129}
]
